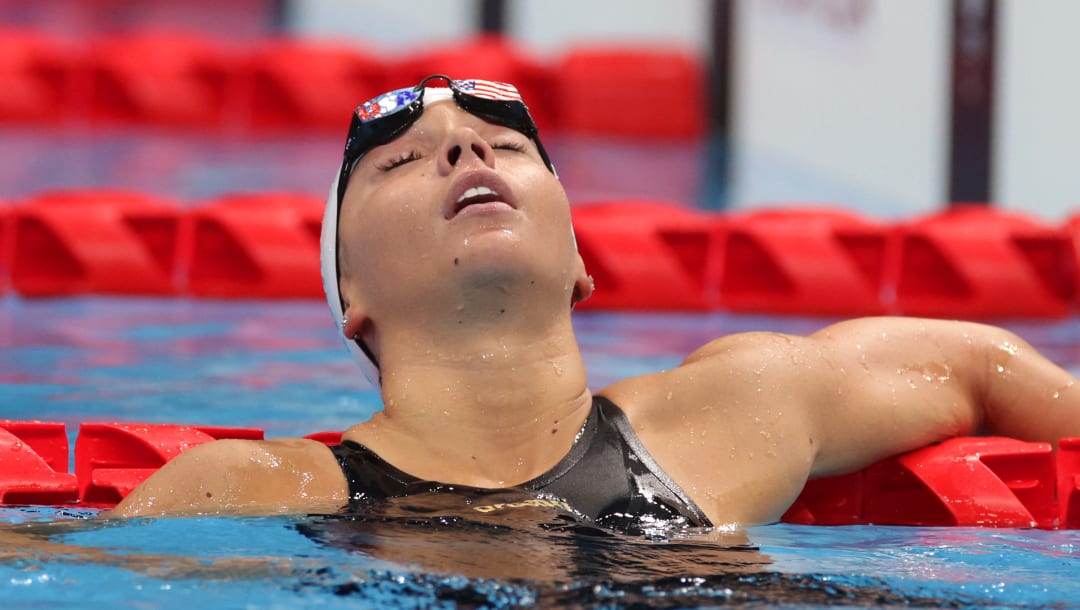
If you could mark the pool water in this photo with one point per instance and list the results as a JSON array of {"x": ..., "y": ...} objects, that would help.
[{"x": 281, "y": 367}]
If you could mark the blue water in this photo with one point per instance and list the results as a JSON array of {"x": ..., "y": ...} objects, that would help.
[{"x": 280, "y": 367}]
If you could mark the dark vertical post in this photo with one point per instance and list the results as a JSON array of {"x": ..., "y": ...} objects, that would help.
[
  {"x": 718, "y": 166},
  {"x": 280, "y": 15},
  {"x": 492, "y": 16},
  {"x": 972, "y": 113}
]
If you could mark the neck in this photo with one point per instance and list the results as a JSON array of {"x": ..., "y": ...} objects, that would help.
[{"x": 494, "y": 398}]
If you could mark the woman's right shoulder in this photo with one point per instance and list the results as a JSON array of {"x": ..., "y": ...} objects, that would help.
[{"x": 242, "y": 476}]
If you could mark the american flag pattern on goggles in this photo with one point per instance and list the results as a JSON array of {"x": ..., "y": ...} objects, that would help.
[{"x": 380, "y": 120}]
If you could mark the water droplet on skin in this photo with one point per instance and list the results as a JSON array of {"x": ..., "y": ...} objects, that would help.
[
  {"x": 1000, "y": 368},
  {"x": 1063, "y": 389}
]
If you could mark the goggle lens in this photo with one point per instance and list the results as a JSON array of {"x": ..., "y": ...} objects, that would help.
[{"x": 380, "y": 120}]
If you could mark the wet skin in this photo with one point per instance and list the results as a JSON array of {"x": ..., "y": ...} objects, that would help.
[{"x": 468, "y": 311}]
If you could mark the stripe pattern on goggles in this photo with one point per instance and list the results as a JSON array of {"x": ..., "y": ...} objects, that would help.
[{"x": 380, "y": 120}]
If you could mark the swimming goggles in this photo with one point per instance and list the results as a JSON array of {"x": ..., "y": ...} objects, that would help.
[{"x": 380, "y": 120}]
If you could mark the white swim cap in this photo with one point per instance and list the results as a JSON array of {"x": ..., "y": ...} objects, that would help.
[{"x": 328, "y": 259}]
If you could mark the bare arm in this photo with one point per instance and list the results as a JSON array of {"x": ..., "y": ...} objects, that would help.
[
  {"x": 253, "y": 477},
  {"x": 748, "y": 418},
  {"x": 894, "y": 384}
]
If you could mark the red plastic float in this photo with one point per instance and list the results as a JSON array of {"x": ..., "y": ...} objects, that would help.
[
  {"x": 38, "y": 75},
  {"x": 1068, "y": 483},
  {"x": 829, "y": 501},
  {"x": 162, "y": 78},
  {"x": 967, "y": 481},
  {"x": 808, "y": 260},
  {"x": 309, "y": 84},
  {"x": 646, "y": 255},
  {"x": 96, "y": 241},
  {"x": 34, "y": 464},
  {"x": 964, "y": 481},
  {"x": 256, "y": 246},
  {"x": 113, "y": 459},
  {"x": 975, "y": 261},
  {"x": 329, "y": 437},
  {"x": 631, "y": 92}
]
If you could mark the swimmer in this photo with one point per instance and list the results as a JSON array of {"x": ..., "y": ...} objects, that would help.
[{"x": 451, "y": 268}]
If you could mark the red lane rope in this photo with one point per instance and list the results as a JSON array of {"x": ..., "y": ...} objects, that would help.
[
  {"x": 967, "y": 481},
  {"x": 969, "y": 262}
]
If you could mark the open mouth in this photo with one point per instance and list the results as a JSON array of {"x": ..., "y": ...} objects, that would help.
[{"x": 477, "y": 195}]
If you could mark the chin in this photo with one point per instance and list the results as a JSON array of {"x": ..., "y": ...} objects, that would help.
[{"x": 492, "y": 240}]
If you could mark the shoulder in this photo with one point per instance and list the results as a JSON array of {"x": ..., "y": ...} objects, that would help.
[
  {"x": 729, "y": 419},
  {"x": 747, "y": 369},
  {"x": 281, "y": 475}
]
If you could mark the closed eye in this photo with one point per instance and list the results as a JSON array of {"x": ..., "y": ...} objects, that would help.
[
  {"x": 399, "y": 160},
  {"x": 509, "y": 145}
]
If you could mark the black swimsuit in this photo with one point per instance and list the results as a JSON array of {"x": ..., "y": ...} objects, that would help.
[{"x": 607, "y": 477}]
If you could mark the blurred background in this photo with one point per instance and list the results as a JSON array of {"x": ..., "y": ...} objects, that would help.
[{"x": 883, "y": 107}]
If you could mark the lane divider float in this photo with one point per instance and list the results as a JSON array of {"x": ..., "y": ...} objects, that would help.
[
  {"x": 973, "y": 262},
  {"x": 966, "y": 481}
]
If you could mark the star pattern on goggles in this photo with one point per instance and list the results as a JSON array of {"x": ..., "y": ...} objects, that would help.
[{"x": 387, "y": 103}]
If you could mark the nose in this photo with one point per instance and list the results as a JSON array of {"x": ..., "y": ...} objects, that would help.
[{"x": 464, "y": 146}]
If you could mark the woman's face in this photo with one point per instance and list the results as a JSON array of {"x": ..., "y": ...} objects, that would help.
[{"x": 452, "y": 201}]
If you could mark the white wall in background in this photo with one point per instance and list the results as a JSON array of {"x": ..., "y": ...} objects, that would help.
[
  {"x": 549, "y": 26},
  {"x": 545, "y": 27},
  {"x": 1037, "y": 151},
  {"x": 843, "y": 102},
  {"x": 386, "y": 25}
]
